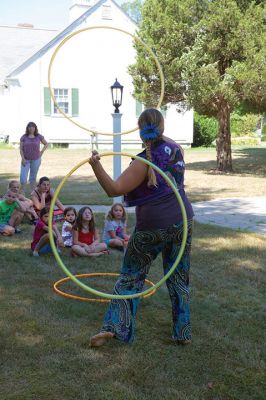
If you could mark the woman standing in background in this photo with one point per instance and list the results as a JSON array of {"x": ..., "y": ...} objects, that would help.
[{"x": 31, "y": 154}]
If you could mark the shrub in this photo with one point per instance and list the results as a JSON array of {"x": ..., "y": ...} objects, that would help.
[
  {"x": 205, "y": 130},
  {"x": 263, "y": 130},
  {"x": 244, "y": 125},
  {"x": 245, "y": 140}
]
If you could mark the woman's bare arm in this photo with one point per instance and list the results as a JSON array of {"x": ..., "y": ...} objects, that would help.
[
  {"x": 23, "y": 160},
  {"x": 45, "y": 145},
  {"x": 131, "y": 178}
]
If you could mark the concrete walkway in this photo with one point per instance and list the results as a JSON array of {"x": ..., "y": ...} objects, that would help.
[{"x": 247, "y": 214}]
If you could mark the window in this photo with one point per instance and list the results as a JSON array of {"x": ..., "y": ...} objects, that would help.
[
  {"x": 62, "y": 100},
  {"x": 138, "y": 108},
  {"x": 106, "y": 12},
  {"x": 67, "y": 100}
]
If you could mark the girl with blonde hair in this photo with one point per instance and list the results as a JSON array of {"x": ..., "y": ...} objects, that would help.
[{"x": 114, "y": 233}]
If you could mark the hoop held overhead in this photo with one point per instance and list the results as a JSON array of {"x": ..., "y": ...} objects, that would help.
[{"x": 92, "y": 131}]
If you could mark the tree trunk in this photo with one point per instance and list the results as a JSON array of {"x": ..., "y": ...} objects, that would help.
[{"x": 223, "y": 142}]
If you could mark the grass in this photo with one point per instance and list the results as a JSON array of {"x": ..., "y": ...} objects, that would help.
[
  {"x": 201, "y": 182},
  {"x": 44, "y": 337}
]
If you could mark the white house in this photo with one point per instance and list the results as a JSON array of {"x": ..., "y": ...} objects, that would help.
[{"x": 83, "y": 70}]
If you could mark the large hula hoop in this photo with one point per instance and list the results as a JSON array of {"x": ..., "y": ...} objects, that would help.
[
  {"x": 92, "y": 299},
  {"x": 96, "y": 292},
  {"x": 91, "y": 131}
]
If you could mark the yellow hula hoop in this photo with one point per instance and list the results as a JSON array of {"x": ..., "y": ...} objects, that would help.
[
  {"x": 72, "y": 296},
  {"x": 91, "y": 131},
  {"x": 96, "y": 292}
]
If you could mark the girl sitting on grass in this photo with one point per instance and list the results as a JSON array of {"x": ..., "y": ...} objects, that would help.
[
  {"x": 86, "y": 238},
  {"x": 40, "y": 243},
  {"x": 114, "y": 234},
  {"x": 67, "y": 229},
  {"x": 42, "y": 196}
]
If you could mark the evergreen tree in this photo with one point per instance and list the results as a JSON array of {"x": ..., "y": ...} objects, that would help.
[{"x": 213, "y": 55}]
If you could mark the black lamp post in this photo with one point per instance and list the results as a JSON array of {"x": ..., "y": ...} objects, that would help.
[{"x": 117, "y": 95}]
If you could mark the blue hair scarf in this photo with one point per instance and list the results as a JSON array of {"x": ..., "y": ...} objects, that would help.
[{"x": 149, "y": 132}]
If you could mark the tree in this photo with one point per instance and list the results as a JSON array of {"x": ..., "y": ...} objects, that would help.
[
  {"x": 213, "y": 56},
  {"x": 133, "y": 9}
]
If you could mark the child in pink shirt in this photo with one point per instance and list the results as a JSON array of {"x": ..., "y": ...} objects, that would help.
[{"x": 40, "y": 243}]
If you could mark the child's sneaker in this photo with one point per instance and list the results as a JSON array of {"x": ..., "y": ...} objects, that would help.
[
  {"x": 35, "y": 253},
  {"x": 18, "y": 230}
]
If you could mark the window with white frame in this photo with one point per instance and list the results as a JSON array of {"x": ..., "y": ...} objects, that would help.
[
  {"x": 67, "y": 100},
  {"x": 63, "y": 101}
]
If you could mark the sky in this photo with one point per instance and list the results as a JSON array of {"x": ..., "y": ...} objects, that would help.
[{"x": 51, "y": 14}]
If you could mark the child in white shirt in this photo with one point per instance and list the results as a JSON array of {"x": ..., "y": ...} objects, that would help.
[{"x": 70, "y": 215}]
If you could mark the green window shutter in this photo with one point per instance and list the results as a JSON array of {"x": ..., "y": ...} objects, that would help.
[
  {"x": 75, "y": 102},
  {"x": 163, "y": 110},
  {"x": 138, "y": 108},
  {"x": 46, "y": 101}
]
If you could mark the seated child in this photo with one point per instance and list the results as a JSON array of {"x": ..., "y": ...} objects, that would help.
[
  {"x": 40, "y": 243},
  {"x": 114, "y": 233},
  {"x": 42, "y": 196},
  {"x": 85, "y": 235},
  {"x": 70, "y": 217},
  {"x": 27, "y": 203},
  {"x": 11, "y": 214}
]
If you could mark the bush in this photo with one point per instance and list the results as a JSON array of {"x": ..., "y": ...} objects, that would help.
[
  {"x": 244, "y": 125},
  {"x": 245, "y": 140},
  {"x": 205, "y": 130},
  {"x": 263, "y": 130},
  {"x": 263, "y": 138}
]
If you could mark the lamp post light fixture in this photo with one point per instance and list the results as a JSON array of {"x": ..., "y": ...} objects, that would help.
[{"x": 117, "y": 95}]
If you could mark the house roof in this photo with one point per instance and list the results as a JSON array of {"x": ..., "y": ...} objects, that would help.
[
  {"x": 18, "y": 43},
  {"x": 35, "y": 55}
]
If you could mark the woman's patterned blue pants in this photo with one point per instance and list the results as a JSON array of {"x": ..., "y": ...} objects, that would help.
[{"x": 143, "y": 248}]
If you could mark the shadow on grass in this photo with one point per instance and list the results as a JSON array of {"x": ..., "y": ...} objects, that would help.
[
  {"x": 205, "y": 193},
  {"x": 250, "y": 161}
]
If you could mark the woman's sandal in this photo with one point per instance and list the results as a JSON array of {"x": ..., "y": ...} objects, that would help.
[{"x": 101, "y": 338}]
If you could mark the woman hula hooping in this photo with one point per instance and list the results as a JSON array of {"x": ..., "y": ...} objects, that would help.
[{"x": 159, "y": 229}]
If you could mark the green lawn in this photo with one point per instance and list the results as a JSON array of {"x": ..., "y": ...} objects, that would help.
[
  {"x": 44, "y": 338},
  {"x": 202, "y": 183}
]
